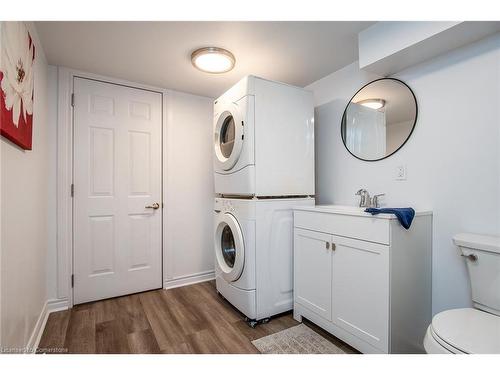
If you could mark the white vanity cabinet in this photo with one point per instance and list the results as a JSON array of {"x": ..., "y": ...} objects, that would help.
[{"x": 364, "y": 278}]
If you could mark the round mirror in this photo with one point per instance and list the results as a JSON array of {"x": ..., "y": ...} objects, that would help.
[{"x": 379, "y": 119}]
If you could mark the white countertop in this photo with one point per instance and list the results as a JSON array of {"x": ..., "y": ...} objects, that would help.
[{"x": 353, "y": 211}]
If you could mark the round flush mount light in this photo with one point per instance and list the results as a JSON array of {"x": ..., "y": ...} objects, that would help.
[
  {"x": 213, "y": 60},
  {"x": 372, "y": 103}
]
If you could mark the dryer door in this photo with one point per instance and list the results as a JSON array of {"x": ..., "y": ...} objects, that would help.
[
  {"x": 229, "y": 247},
  {"x": 228, "y": 137}
]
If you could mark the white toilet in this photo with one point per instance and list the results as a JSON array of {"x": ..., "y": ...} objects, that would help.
[{"x": 472, "y": 330}]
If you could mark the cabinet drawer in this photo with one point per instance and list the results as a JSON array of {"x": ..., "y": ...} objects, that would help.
[{"x": 360, "y": 227}]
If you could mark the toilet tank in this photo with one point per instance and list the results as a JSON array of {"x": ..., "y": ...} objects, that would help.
[{"x": 482, "y": 255}]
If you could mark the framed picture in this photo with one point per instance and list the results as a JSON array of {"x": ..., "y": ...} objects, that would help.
[{"x": 17, "y": 80}]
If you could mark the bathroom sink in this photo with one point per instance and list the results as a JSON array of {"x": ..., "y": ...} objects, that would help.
[
  {"x": 353, "y": 210},
  {"x": 344, "y": 210},
  {"x": 350, "y": 209}
]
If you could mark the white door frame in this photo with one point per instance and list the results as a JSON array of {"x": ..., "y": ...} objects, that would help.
[{"x": 64, "y": 240}]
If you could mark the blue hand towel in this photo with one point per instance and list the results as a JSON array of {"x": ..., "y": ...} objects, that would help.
[{"x": 404, "y": 215}]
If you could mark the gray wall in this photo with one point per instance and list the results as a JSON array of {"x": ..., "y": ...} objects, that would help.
[{"x": 24, "y": 231}]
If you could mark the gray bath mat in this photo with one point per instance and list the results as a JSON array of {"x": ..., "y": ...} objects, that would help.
[{"x": 296, "y": 340}]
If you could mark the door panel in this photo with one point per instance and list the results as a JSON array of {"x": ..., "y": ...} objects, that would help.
[
  {"x": 101, "y": 161},
  {"x": 313, "y": 271},
  {"x": 140, "y": 246},
  {"x": 140, "y": 162},
  {"x": 102, "y": 245},
  {"x": 360, "y": 301},
  {"x": 117, "y": 173}
]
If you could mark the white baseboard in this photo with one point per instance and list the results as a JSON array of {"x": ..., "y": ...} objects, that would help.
[
  {"x": 36, "y": 335},
  {"x": 48, "y": 307},
  {"x": 189, "y": 279},
  {"x": 57, "y": 304}
]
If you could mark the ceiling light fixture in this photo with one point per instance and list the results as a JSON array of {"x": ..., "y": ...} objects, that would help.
[
  {"x": 372, "y": 103},
  {"x": 213, "y": 60}
]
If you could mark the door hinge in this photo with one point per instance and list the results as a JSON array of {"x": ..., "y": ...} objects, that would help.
[
  {"x": 72, "y": 281},
  {"x": 72, "y": 99},
  {"x": 72, "y": 190}
]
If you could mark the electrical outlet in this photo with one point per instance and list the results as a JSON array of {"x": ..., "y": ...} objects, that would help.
[{"x": 400, "y": 173}]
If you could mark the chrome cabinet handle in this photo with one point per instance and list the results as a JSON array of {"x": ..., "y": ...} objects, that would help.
[
  {"x": 154, "y": 206},
  {"x": 471, "y": 257},
  {"x": 327, "y": 245}
]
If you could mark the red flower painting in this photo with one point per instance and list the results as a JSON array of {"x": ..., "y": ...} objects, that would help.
[{"x": 17, "y": 84}]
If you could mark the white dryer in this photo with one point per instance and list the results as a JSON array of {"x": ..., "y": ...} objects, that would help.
[
  {"x": 264, "y": 140},
  {"x": 253, "y": 245}
]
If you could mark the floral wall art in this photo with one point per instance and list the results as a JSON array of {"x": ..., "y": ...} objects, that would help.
[{"x": 16, "y": 76}]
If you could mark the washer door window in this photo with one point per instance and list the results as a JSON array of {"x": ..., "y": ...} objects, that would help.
[
  {"x": 228, "y": 140},
  {"x": 229, "y": 248}
]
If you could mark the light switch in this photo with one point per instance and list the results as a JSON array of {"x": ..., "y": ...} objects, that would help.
[{"x": 400, "y": 173}]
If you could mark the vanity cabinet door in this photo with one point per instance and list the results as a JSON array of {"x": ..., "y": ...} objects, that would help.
[
  {"x": 313, "y": 271},
  {"x": 360, "y": 296}
]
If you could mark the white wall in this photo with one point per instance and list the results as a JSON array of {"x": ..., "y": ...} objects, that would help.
[
  {"x": 24, "y": 240},
  {"x": 378, "y": 42},
  {"x": 189, "y": 189},
  {"x": 452, "y": 158}
]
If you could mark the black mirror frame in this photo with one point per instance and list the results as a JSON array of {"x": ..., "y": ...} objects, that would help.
[{"x": 407, "y": 138}]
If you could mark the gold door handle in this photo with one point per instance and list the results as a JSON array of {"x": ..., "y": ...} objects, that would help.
[{"x": 154, "y": 206}]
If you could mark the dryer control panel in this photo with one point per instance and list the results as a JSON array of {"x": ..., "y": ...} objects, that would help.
[{"x": 223, "y": 205}]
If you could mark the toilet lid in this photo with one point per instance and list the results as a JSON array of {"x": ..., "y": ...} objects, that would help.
[
  {"x": 469, "y": 330},
  {"x": 478, "y": 241}
]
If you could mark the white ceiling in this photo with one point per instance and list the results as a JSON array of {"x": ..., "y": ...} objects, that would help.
[{"x": 158, "y": 53}]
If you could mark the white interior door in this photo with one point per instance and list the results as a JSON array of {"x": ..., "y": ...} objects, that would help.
[{"x": 117, "y": 176}]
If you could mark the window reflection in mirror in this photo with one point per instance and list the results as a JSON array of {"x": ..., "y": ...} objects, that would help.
[{"x": 379, "y": 119}]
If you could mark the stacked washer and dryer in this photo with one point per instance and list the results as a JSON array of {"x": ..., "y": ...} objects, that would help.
[{"x": 263, "y": 167}]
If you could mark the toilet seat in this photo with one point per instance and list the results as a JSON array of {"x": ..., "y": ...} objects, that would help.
[
  {"x": 465, "y": 331},
  {"x": 435, "y": 345}
]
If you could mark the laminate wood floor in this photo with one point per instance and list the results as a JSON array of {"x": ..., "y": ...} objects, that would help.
[{"x": 190, "y": 319}]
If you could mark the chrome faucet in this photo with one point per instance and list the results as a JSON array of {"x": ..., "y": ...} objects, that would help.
[
  {"x": 366, "y": 200},
  {"x": 374, "y": 201}
]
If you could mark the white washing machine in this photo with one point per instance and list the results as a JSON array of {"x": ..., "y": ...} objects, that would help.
[
  {"x": 253, "y": 245},
  {"x": 264, "y": 140}
]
